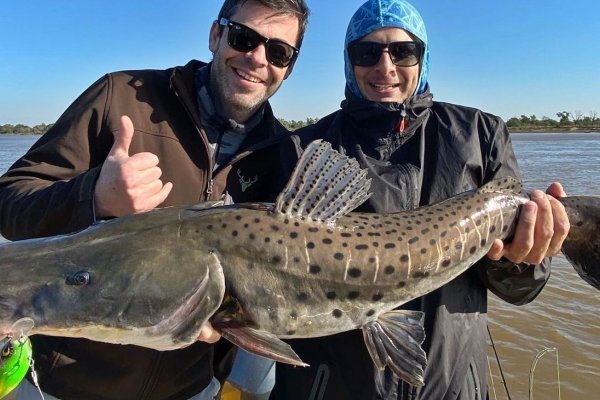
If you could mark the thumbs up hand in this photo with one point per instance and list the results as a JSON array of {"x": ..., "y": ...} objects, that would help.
[{"x": 128, "y": 184}]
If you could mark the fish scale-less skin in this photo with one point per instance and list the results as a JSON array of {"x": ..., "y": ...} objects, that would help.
[
  {"x": 133, "y": 282},
  {"x": 304, "y": 278}
]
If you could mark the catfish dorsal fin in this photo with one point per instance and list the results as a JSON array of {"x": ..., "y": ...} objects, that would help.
[{"x": 324, "y": 186}]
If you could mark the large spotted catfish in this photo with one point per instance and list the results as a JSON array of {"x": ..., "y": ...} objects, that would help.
[{"x": 302, "y": 267}]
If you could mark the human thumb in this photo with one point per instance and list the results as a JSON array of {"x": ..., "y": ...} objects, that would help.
[{"x": 123, "y": 137}]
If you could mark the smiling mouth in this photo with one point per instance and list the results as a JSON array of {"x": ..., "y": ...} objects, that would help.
[
  {"x": 384, "y": 86},
  {"x": 247, "y": 77}
]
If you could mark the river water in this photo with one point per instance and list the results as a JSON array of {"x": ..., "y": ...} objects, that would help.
[{"x": 563, "y": 317}]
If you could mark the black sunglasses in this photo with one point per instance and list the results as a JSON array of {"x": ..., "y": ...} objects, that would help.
[
  {"x": 243, "y": 39},
  {"x": 402, "y": 54}
]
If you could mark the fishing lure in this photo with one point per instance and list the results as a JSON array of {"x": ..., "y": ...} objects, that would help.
[{"x": 15, "y": 356}]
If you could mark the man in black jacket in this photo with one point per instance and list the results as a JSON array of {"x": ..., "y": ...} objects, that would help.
[
  {"x": 136, "y": 140},
  {"x": 418, "y": 152}
]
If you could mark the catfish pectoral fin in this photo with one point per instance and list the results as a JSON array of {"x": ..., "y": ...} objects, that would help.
[
  {"x": 394, "y": 340},
  {"x": 262, "y": 343}
]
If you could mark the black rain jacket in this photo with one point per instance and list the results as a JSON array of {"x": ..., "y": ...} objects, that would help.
[{"x": 445, "y": 149}]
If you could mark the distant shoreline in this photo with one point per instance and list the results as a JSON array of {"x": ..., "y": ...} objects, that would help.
[{"x": 510, "y": 129}]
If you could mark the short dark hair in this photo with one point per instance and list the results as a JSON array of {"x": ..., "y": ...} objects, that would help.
[{"x": 297, "y": 8}]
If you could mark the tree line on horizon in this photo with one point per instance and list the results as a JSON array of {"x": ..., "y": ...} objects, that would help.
[{"x": 566, "y": 120}]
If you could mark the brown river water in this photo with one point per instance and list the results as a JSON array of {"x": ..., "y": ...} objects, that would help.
[{"x": 562, "y": 321}]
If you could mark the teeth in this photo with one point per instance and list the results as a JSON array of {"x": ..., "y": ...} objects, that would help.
[
  {"x": 247, "y": 77},
  {"x": 383, "y": 86}
]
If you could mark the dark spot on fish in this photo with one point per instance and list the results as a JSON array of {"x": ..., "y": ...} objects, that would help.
[
  {"x": 413, "y": 240},
  {"x": 358, "y": 234},
  {"x": 389, "y": 270},
  {"x": 286, "y": 221},
  {"x": 361, "y": 247},
  {"x": 294, "y": 315},
  {"x": 310, "y": 245},
  {"x": 370, "y": 313},
  {"x": 313, "y": 229},
  {"x": 296, "y": 260},
  {"x": 327, "y": 241},
  {"x": 492, "y": 228},
  {"x": 458, "y": 245},
  {"x": 483, "y": 242},
  {"x": 275, "y": 228},
  {"x": 246, "y": 225},
  {"x": 280, "y": 241},
  {"x": 371, "y": 260},
  {"x": 353, "y": 295},
  {"x": 505, "y": 228},
  {"x": 401, "y": 284},
  {"x": 444, "y": 234},
  {"x": 296, "y": 224},
  {"x": 446, "y": 263},
  {"x": 404, "y": 258},
  {"x": 478, "y": 222},
  {"x": 302, "y": 296},
  {"x": 209, "y": 227},
  {"x": 432, "y": 242},
  {"x": 337, "y": 313},
  {"x": 238, "y": 217},
  {"x": 331, "y": 295},
  {"x": 374, "y": 234},
  {"x": 338, "y": 256},
  {"x": 390, "y": 246},
  {"x": 354, "y": 272},
  {"x": 294, "y": 235},
  {"x": 224, "y": 226},
  {"x": 234, "y": 233},
  {"x": 330, "y": 231},
  {"x": 256, "y": 220},
  {"x": 472, "y": 250},
  {"x": 375, "y": 244},
  {"x": 314, "y": 269},
  {"x": 346, "y": 235},
  {"x": 251, "y": 236},
  {"x": 423, "y": 250},
  {"x": 344, "y": 244},
  {"x": 420, "y": 275},
  {"x": 425, "y": 231},
  {"x": 377, "y": 297},
  {"x": 291, "y": 333},
  {"x": 267, "y": 239},
  {"x": 276, "y": 260},
  {"x": 440, "y": 219}
]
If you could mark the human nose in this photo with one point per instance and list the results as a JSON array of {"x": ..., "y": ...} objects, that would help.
[
  {"x": 385, "y": 61},
  {"x": 259, "y": 55}
]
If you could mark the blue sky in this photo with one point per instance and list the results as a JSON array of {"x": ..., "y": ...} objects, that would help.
[{"x": 508, "y": 57}]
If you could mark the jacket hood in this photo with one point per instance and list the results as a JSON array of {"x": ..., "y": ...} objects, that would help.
[{"x": 376, "y": 14}]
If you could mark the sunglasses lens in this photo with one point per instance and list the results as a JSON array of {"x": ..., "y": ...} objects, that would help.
[
  {"x": 364, "y": 54},
  {"x": 244, "y": 39},
  {"x": 405, "y": 54},
  {"x": 279, "y": 54}
]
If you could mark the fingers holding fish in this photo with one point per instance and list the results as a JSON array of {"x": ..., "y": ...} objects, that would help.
[
  {"x": 560, "y": 218},
  {"x": 208, "y": 334}
]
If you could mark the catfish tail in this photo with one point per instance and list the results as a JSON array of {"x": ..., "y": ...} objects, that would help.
[{"x": 582, "y": 245}]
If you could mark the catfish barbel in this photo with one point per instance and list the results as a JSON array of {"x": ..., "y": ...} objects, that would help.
[{"x": 302, "y": 267}]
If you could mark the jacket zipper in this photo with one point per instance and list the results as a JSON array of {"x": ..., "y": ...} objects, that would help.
[{"x": 402, "y": 124}]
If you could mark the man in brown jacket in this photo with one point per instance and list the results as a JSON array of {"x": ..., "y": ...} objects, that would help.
[{"x": 137, "y": 140}]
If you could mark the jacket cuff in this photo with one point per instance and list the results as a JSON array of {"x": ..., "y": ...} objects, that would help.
[{"x": 515, "y": 283}]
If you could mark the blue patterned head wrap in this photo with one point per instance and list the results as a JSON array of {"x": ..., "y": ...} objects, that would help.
[{"x": 376, "y": 14}]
